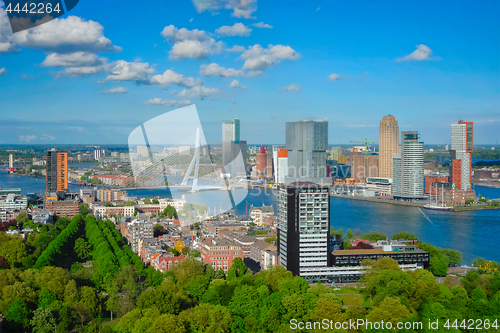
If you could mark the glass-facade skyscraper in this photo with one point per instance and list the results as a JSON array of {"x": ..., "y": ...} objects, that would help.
[
  {"x": 409, "y": 166},
  {"x": 307, "y": 143},
  {"x": 232, "y": 147}
]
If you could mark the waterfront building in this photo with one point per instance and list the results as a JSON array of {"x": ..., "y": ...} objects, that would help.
[
  {"x": 7, "y": 191},
  {"x": 56, "y": 171},
  {"x": 364, "y": 166},
  {"x": 276, "y": 149},
  {"x": 462, "y": 146},
  {"x": 220, "y": 252},
  {"x": 261, "y": 162},
  {"x": 388, "y": 145},
  {"x": 408, "y": 167},
  {"x": 307, "y": 142},
  {"x": 12, "y": 201},
  {"x": 381, "y": 186},
  {"x": 281, "y": 170},
  {"x": 232, "y": 147}
]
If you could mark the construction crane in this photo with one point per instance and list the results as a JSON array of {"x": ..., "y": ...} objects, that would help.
[{"x": 366, "y": 142}]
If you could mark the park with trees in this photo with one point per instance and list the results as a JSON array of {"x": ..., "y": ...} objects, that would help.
[{"x": 79, "y": 275}]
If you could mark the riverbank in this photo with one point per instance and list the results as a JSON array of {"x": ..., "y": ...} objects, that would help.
[
  {"x": 413, "y": 204},
  {"x": 379, "y": 200}
]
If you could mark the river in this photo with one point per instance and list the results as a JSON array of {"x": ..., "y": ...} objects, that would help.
[{"x": 473, "y": 232}]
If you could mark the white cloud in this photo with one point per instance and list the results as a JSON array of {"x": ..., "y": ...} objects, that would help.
[
  {"x": 80, "y": 71},
  {"x": 257, "y": 58},
  {"x": 200, "y": 92},
  {"x": 66, "y": 35},
  {"x": 76, "y": 59},
  {"x": 3, "y": 71},
  {"x": 117, "y": 90},
  {"x": 291, "y": 87},
  {"x": 48, "y": 137},
  {"x": 422, "y": 52},
  {"x": 27, "y": 138},
  {"x": 27, "y": 77},
  {"x": 191, "y": 20},
  {"x": 215, "y": 70},
  {"x": 334, "y": 77},
  {"x": 241, "y": 8},
  {"x": 7, "y": 43},
  {"x": 190, "y": 43},
  {"x": 170, "y": 77},
  {"x": 167, "y": 102},
  {"x": 236, "y": 84},
  {"x": 236, "y": 49},
  {"x": 122, "y": 70},
  {"x": 262, "y": 25},
  {"x": 238, "y": 29}
]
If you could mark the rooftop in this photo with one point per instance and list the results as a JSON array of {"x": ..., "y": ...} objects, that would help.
[{"x": 374, "y": 251}]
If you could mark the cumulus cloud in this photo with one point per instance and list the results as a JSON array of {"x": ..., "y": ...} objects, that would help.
[
  {"x": 291, "y": 87},
  {"x": 76, "y": 59},
  {"x": 262, "y": 25},
  {"x": 240, "y": 8},
  {"x": 122, "y": 70},
  {"x": 66, "y": 35},
  {"x": 3, "y": 71},
  {"x": 236, "y": 49},
  {"x": 48, "y": 137},
  {"x": 334, "y": 77},
  {"x": 236, "y": 84},
  {"x": 7, "y": 43},
  {"x": 27, "y": 138},
  {"x": 238, "y": 29},
  {"x": 200, "y": 92},
  {"x": 80, "y": 71},
  {"x": 170, "y": 77},
  {"x": 117, "y": 90},
  {"x": 190, "y": 43},
  {"x": 167, "y": 102},
  {"x": 258, "y": 58},
  {"x": 215, "y": 70},
  {"x": 27, "y": 77},
  {"x": 422, "y": 52}
]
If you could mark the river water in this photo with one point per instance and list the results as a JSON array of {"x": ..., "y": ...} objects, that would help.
[{"x": 474, "y": 233}]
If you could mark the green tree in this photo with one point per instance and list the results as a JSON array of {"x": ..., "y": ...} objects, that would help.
[
  {"x": 404, "y": 235},
  {"x": 194, "y": 253},
  {"x": 108, "y": 204},
  {"x": 155, "y": 201},
  {"x": 207, "y": 318},
  {"x": 43, "y": 321},
  {"x": 147, "y": 201},
  {"x": 349, "y": 234},
  {"x": 167, "y": 323},
  {"x": 14, "y": 250},
  {"x": 374, "y": 236},
  {"x": 84, "y": 209},
  {"x": 389, "y": 310},
  {"x": 22, "y": 218},
  {"x": 438, "y": 266},
  {"x": 70, "y": 293},
  {"x": 238, "y": 269},
  {"x": 130, "y": 203},
  {"x": 18, "y": 314},
  {"x": 82, "y": 248}
]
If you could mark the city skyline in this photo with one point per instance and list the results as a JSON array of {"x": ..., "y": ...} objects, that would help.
[{"x": 267, "y": 70}]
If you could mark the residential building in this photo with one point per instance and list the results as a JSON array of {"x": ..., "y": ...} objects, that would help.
[
  {"x": 307, "y": 142},
  {"x": 462, "y": 145},
  {"x": 56, "y": 171},
  {"x": 101, "y": 211},
  {"x": 12, "y": 201},
  {"x": 138, "y": 230},
  {"x": 364, "y": 166},
  {"x": 163, "y": 263},
  {"x": 388, "y": 145},
  {"x": 42, "y": 216},
  {"x": 408, "y": 167},
  {"x": 276, "y": 149},
  {"x": 281, "y": 169},
  {"x": 432, "y": 181},
  {"x": 258, "y": 213},
  {"x": 220, "y": 252},
  {"x": 62, "y": 208},
  {"x": 262, "y": 163},
  {"x": 304, "y": 229}
]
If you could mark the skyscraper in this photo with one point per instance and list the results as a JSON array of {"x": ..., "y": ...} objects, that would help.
[
  {"x": 307, "y": 142},
  {"x": 462, "y": 146},
  {"x": 409, "y": 163},
  {"x": 57, "y": 171},
  {"x": 232, "y": 147},
  {"x": 304, "y": 229},
  {"x": 388, "y": 142}
]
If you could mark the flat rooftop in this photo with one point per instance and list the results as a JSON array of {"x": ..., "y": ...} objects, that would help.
[{"x": 373, "y": 251}]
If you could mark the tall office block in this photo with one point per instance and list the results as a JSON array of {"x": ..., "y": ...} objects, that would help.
[
  {"x": 57, "y": 171},
  {"x": 388, "y": 145},
  {"x": 307, "y": 142},
  {"x": 281, "y": 166},
  {"x": 410, "y": 161},
  {"x": 462, "y": 146},
  {"x": 304, "y": 229},
  {"x": 276, "y": 149},
  {"x": 364, "y": 166},
  {"x": 232, "y": 147}
]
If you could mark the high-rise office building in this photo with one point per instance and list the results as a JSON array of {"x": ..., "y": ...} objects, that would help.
[
  {"x": 409, "y": 164},
  {"x": 304, "y": 229},
  {"x": 388, "y": 145},
  {"x": 364, "y": 166},
  {"x": 261, "y": 162},
  {"x": 462, "y": 146},
  {"x": 57, "y": 171},
  {"x": 307, "y": 142},
  {"x": 281, "y": 166},
  {"x": 232, "y": 147}
]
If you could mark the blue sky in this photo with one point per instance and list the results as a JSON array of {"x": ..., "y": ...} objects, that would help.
[{"x": 96, "y": 74}]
